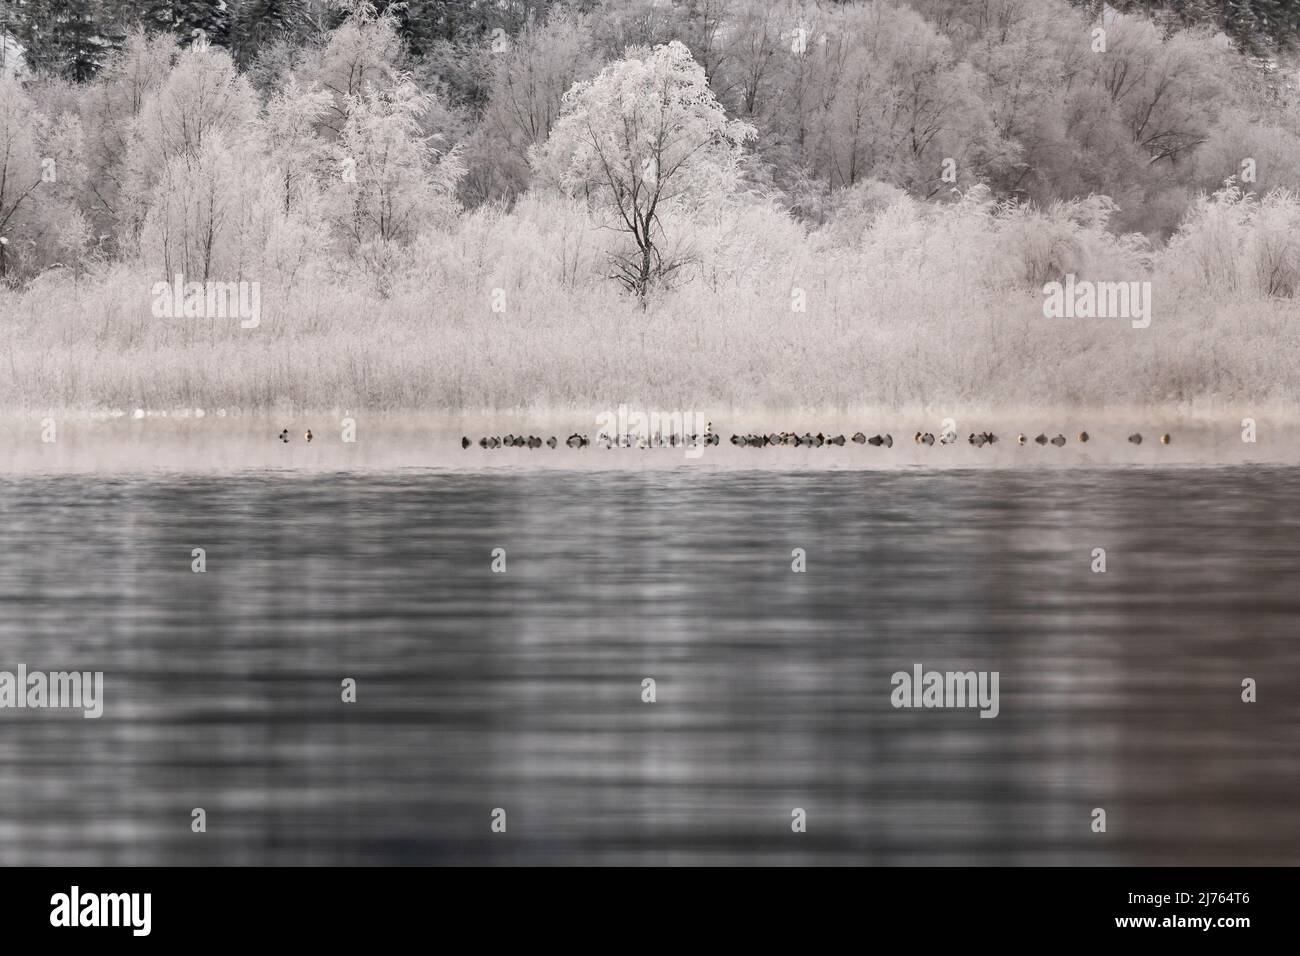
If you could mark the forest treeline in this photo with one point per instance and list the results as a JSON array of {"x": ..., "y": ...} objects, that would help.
[
  {"x": 505, "y": 179},
  {"x": 928, "y": 96},
  {"x": 75, "y": 38}
]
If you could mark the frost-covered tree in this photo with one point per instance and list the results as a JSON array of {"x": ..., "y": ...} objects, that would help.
[
  {"x": 389, "y": 182},
  {"x": 40, "y": 174},
  {"x": 295, "y": 151},
  {"x": 527, "y": 93},
  {"x": 1162, "y": 90},
  {"x": 842, "y": 94},
  {"x": 203, "y": 96},
  {"x": 645, "y": 134},
  {"x": 892, "y": 102},
  {"x": 109, "y": 108},
  {"x": 194, "y": 207},
  {"x": 363, "y": 54}
]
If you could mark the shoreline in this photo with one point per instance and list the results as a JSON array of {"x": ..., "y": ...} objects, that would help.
[{"x": 97, "y": 442}]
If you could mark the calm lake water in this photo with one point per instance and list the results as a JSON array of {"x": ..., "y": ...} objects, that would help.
[{"x": 522, "y": 690}]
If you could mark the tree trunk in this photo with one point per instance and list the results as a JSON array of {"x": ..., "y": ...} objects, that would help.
[{"x": 643, "y": 280}]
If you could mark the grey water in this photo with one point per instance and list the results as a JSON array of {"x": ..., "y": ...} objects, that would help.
[{"x": 481, "y": 690}]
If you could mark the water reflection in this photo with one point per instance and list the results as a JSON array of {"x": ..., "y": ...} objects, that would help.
[{"x": 523, "y": 690}]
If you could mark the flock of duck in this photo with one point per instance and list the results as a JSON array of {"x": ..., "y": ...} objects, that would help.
[
  {"x": 602, "y": 440},
  {"x": 786, "y": 439}
]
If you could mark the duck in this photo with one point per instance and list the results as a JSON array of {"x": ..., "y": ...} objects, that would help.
[
  {"x": 1135, "y": 438},
  {"x": 838, "y": 441},
  {"x": 990, "y": 437},
  {"x": 534, "y": 441},
  {"x": 979, "y": 441},
  {"x": 308, "y": 437},
  {"x": 1041, "y": 439},
  {"x": 859, "y": 438},
  {"x": 927, "y": 439},
  {"x": 551, "y": 442},
  {"x": 576, "y": 441},
  {"x": 464, "y": 441},
  {"x": 1083, "y": 436},
  {"x": 284, "y": 436},
  {"x": 1058, "y": 441},
  {"x": 736, "y": 439},
  {"x": 493, "y": 442},
  {"x": 1020, "y": 439},
  {"x": 1164, "y": 439},
  {"x": 875, "y": 441}
]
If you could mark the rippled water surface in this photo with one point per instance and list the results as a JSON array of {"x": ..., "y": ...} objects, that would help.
[{"x": 522, "y": 690}]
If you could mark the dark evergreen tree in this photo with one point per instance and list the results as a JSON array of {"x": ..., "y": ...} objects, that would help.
[
  {"x": 190, "y": 19},
  {"x": 67, "y": 38},
  {"x": 259, "y": 23},
  {"x": 421, "y": 23},
  {"x": 28, "y": 23},
  {"x": 1242, "y": 25},
  {"x": 1279, "y": 20},
  {"x": 1257, "y": 26}
]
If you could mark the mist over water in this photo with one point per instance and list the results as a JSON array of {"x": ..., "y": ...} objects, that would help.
[{"x": 522, "y": 690}]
